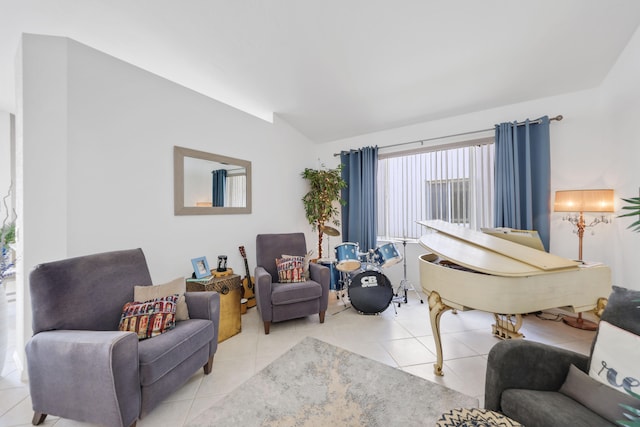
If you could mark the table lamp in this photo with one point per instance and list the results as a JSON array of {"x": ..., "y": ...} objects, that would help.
[{"x": 577, "y": 202}]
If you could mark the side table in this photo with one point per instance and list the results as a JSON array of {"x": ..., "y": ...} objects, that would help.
[{"x": 230, "y": 289}]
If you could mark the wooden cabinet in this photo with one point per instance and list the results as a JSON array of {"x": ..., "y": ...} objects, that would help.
[{"x": 230, "y": 290}]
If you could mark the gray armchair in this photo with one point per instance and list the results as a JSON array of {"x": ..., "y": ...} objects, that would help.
[
  {"x": 528, "y": 381},
  {"x": 81, "y": 367},
  {"x": 276, "y": 301}
]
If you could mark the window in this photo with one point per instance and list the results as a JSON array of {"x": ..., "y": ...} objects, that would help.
[
  {"x": 454, "y": 184},
  {"x": 448, "y": 200}
]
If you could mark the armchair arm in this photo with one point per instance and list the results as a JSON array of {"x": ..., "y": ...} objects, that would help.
[
  {"x": 319, "y": 273},
  {"x": 205, "y": 305},
  {"x": 69, "y": 371},
  {"x": 527, "y": 365},
  {"x": 263, "y": 292}
]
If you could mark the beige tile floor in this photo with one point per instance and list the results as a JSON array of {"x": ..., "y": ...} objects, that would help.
[{"x": 403, "y": 340}]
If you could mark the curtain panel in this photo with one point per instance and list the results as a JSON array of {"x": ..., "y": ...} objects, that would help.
[
  {"x": 522, "y": 176},
  {"x": 219, "y": 184},
  {"x": 359, "y": 215}
]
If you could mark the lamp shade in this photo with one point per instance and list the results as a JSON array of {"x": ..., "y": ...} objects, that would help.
[{"x": 584, "y": 201}]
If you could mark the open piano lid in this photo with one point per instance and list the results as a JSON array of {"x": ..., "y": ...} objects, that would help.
[{"x": 488, "y": 254}]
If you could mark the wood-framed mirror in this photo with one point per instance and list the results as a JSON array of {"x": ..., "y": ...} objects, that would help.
[{"x": 210, "y": 184}]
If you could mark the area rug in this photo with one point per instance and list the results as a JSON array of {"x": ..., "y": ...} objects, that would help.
[{"x": 318, "y": 384}]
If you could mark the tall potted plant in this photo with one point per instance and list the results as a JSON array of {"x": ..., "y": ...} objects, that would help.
[{"x": 320, "y": 202}]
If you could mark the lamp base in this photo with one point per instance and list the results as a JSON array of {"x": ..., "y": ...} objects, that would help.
[{"x": 580, "y": 323}]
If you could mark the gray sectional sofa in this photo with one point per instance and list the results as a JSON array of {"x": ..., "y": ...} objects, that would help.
[{"x": 534, "y": 383}]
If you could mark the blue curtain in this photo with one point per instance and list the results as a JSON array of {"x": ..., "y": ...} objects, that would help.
[
  {"x": 219, "y": 182},
  {"x": 359, "y": 219},
  {"x": 522, "y": 176}
]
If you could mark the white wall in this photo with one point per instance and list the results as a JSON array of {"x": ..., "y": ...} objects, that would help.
[
  {"x": 621, "y": 103},
  {"x": 96, "y": 161},
  {"x": 41, "y": 167}
]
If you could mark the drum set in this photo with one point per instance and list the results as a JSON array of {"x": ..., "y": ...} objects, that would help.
[{"x": 369, "y": 290}]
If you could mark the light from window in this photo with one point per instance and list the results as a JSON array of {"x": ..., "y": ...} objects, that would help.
[
  {"x": 452, "y": 184},
  {"x": 448, "y": 199},
  {"x": 235, "y": 191}
]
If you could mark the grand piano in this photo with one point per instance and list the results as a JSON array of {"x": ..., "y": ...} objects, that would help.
[{"x": 467, "y": 269}]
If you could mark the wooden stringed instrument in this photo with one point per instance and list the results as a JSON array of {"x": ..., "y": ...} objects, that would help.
[{"x": 247, "y": 282}]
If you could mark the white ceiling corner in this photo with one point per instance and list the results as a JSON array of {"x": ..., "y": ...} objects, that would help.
[{"x": 341, "y": 68}]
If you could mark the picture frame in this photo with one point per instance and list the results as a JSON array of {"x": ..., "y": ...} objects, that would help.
[{"x": 201, "y": 267}]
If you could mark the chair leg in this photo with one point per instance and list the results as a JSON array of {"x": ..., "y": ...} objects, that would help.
[
  {"x": 267, "y": 325},
  {"x": 208, "y": 366},
  {"x": 134, "y": 424},
  {"x": 38, "y": 418},
  {"x": 322, "y": 317}
]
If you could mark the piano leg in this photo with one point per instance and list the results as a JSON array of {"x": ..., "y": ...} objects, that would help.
[
  {"x": 436, "y": 309},
  {"x": 600, "y": 306},
  {"x": 505, "y": 327},
  {"x": 585, "y": 324}
]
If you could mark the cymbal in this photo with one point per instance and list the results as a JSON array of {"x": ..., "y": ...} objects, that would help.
[{"x": 329, "y": 231}]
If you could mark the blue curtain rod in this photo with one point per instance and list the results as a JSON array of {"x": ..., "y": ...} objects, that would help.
[{"x": 422, "y": 141}]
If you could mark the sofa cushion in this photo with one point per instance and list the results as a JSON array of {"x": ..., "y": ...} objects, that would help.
[
  {"x": 163, "y": 353},
  {"x": 290, "y": 269},
  {"x": 614, "y": 361},
  {"x": 600, "y": 398},
  {"x": 272, "y": 246},
  {"x": 149, "y": 318},
  {"x": 176, "y": 286},
  {"x": 535, "y": 408},
  {"x": 622, "y": 309},
  {"x": 87, "y": 292},
  {"x": 284, "y": 293},
  {"x": 306, "y": 259}
]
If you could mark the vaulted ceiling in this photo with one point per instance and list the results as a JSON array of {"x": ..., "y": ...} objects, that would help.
[{"x": 339, "y": 68}]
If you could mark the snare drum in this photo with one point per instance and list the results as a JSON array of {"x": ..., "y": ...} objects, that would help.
[
  {"x": 387, "y": 255},
  {"x": 370, "y": 292},
  {"x": 347, "y": 256}
]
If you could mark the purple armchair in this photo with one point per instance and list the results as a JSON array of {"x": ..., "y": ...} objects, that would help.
[
  {"x": 81, "y": 367},
  {"x": 276, "y": 301}
]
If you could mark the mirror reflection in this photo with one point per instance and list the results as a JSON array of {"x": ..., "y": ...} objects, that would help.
[{"x": 207, "y": 183}]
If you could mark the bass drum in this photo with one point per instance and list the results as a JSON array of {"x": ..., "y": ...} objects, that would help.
[{"x": 370, "y": 292}]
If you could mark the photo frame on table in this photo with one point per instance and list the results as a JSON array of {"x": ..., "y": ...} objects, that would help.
[{"x": 201, "y": 267}]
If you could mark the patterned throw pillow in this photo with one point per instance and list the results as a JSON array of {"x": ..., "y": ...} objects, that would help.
[
  {"x": 615, "y": 356},
  {"x": 290, "y": 269},
  {"x": 306, "y": 259},
  {"x": 469, "y": 417},
  {"x": 616, "y": 349},
  {"x": 150, "y": 318},
  {"x": 176, "y": 286}
]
